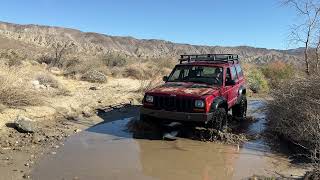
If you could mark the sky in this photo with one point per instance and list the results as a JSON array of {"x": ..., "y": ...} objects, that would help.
[{"x": 258, "y": 23}]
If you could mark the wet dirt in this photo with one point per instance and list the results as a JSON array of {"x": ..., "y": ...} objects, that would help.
[{"x": 110, "y": 151}]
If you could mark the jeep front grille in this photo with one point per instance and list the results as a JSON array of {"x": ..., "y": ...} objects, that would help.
[{"x": 173, "y": 103}]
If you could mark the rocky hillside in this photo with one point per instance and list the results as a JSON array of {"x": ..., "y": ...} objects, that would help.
[{"x": 39, "y": 39}]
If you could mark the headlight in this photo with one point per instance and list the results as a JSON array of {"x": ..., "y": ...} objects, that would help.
[
  {"x": 149, "y": 99},
  {"x": 199, "y": 103}
]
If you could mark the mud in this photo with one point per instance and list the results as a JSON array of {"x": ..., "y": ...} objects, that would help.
[
  {"x": 110, "y": 150},
  {"x": 20, "y": 151},
  {"x": 149, "y": 130}
]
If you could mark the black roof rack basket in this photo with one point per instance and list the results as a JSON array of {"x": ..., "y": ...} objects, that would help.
[{"x": 224, "y": 58}]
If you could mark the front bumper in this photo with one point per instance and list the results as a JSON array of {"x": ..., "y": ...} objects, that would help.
[{"x": 178, "y": 116}]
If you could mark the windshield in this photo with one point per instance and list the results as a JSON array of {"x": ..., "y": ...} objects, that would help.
[{"x": 197, "y": 74}]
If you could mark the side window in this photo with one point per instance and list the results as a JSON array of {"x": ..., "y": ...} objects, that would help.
[
  {"x": 234, "y": 73},
  {"x": 175, "y": 75},
  {"x": 239, "y": 70},
  {"x": 228, "y": 75},
  {"x": 179, "y": 74}
]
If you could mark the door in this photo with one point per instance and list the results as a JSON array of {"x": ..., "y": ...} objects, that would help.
[{"x": 231, "y": 91}]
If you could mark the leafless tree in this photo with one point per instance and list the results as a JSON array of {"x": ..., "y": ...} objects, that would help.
[
  {"x": 60, "y": 50},
  {"x": 317, "y": 54},
  {"x": 309, "y": 11}
]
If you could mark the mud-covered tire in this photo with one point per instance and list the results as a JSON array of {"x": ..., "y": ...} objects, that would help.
[
  {"x": 145, "y": 118},
  {"x": 148, "y": 119},
  {"x": 219, "y": 120},
  {"x": 239, "y": 111}
]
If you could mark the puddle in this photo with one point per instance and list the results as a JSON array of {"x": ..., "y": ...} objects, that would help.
[{"x": 109, "y": 151}]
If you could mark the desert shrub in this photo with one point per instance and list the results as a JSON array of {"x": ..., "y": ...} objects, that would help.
[
  {"x": 94, "y": 76},
  {"x": 46, "y": 59},
  {"x": 256, "y": 80},
  {"x": 164, "y": 63},
  {"x": 14, "y": 62},
  {"x": 16, "y": 91},
  {"x": 295, "y": 113},
  {"x": 69, "y": 63},
  {"x": 147, "y": 84},
  {"x": 74, "y": 67},
  {"x": 134, "y": 71},
  {"x": 116, "y": 72},
  {"x": 277, "y": 72},
  {"x": 13, "y": 57},
  {"x": 47, "y": 80},
  {"x": 112, "y": 60}
]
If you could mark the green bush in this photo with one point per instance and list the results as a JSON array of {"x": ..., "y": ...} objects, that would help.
[{"x": 257, "y": 81}]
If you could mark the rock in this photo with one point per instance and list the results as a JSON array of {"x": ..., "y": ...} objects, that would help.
[
  {"x": 77, "y": 130},
  {"x": 93, "y": 88},
  {"x": 2, "y": 107},
  {"x": 36, "y": 84},
  {"x": 26, "y": 176},
  {"x": 87, "y": 112},
  {"x": 55, "y": 71},
  {"x": 42, "y": 86},
  {"x": 24, "y": 124}
]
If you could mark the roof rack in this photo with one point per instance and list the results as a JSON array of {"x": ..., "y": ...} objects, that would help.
[{"x": 224, "y": 58}]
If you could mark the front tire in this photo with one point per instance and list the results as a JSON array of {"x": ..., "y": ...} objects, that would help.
[
  {"x": 239, "y": 111},
  {"x": 219, "y": 119}
]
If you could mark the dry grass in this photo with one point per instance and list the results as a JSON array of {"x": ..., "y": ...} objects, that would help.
[
  {"x": 47, "y": 80},
  {"x": 52, "y": 85},
  {"x": 295, "y": 113},
  {"x": 15, "y": 90}
]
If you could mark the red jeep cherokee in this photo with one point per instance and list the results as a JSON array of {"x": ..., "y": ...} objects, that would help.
[{"x": 202, "y": 88}]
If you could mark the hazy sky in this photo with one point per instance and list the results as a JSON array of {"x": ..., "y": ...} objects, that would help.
[{"x": 260, "y": 23}]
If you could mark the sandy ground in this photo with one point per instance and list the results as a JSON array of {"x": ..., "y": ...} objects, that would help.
[{"x": 56, "y": 120}]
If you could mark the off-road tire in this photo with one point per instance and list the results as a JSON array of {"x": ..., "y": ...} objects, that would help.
[
  {"x": 239, "y": 111},
  {"x": 219, "y": 119},
  {"x": 145, "y": 118}
]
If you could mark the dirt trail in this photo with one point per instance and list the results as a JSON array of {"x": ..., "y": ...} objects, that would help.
[{"x": 109, "y": 151}]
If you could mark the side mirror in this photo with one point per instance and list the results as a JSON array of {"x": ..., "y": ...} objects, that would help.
[
  {"x": 230, "y": 82},
  {"x": 165, "y": 78}
]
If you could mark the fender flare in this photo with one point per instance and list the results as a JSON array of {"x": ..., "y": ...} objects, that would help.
[
  {"x": 219, "y": 102},
  {"x": 241, "y": 92}
]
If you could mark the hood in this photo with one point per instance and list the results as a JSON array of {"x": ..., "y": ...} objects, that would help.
[{"x": 184, "y": 89}]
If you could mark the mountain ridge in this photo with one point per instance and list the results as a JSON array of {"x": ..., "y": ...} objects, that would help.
[{"x": 92, "y": 44}]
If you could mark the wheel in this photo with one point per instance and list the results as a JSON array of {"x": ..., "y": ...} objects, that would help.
[
  {"x": 149, "y": 120},
  {"x": 239, "y": 110},
  {"x": 145, "y": 118},
  {"x": 219, "y": 119}
]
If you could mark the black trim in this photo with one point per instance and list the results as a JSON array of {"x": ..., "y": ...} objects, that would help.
[
  {"x": 241, "y": 92},
  {"x": 221, "y": 58},
  {"x": 176, "y": 116},
  {"x": 219, "y": 102}
]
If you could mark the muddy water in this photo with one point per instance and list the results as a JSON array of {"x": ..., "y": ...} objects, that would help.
[{"x": 109, "y": 151}]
